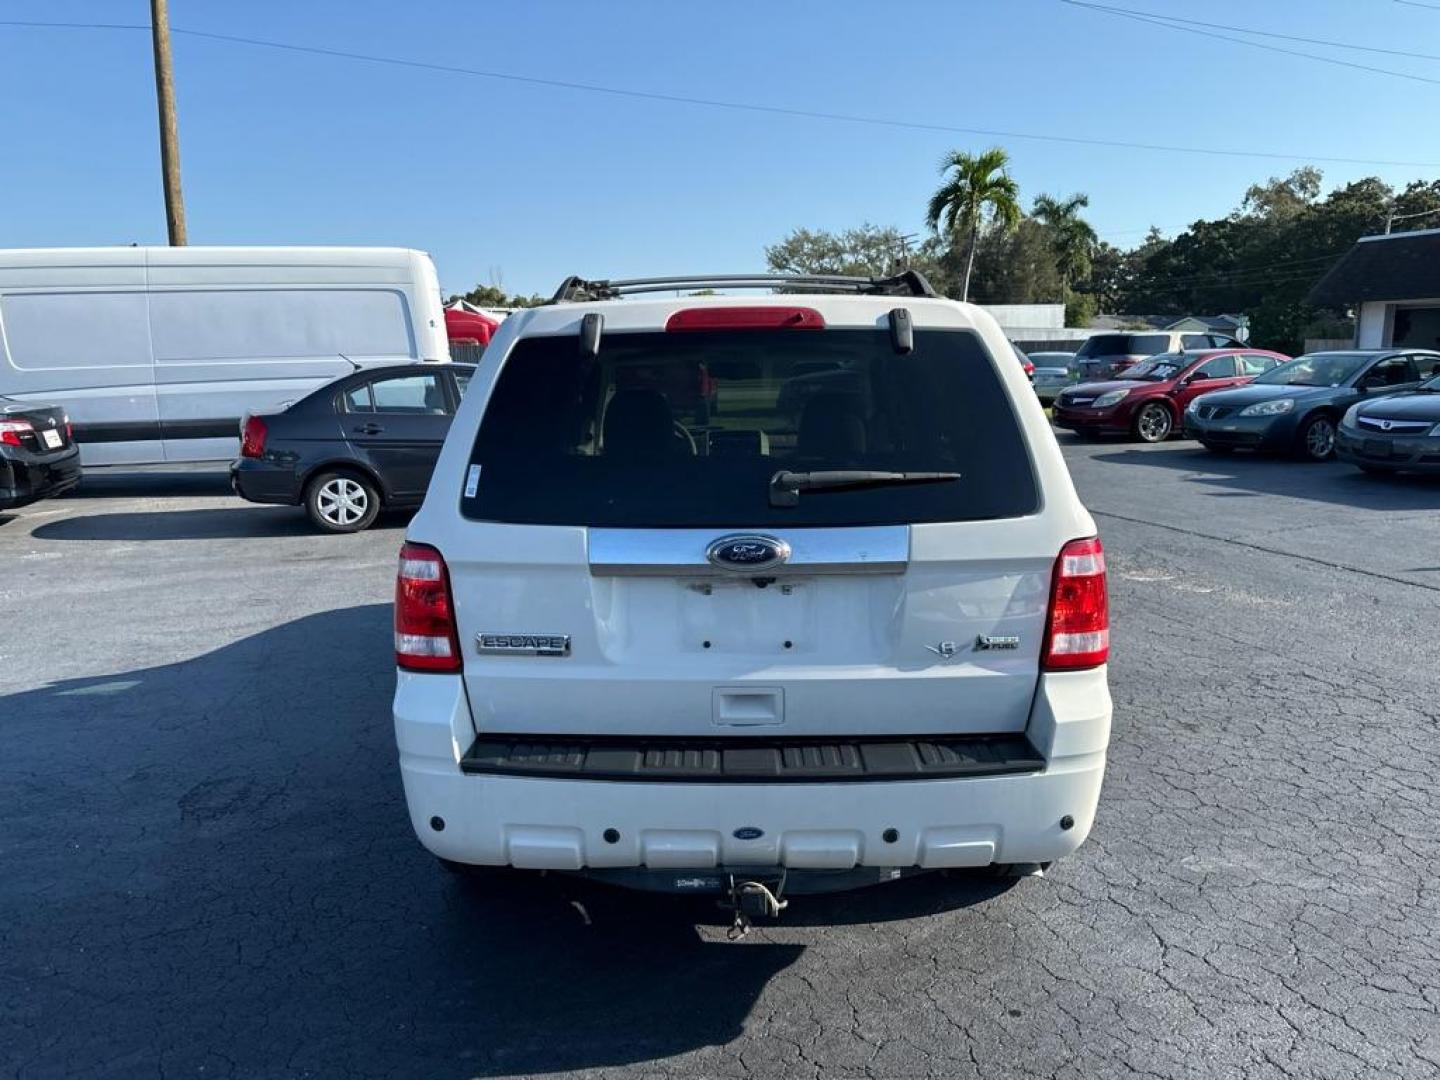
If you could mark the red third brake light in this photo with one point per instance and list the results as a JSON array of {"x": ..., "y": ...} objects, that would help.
[
  {"x": 746, "y": 318},
  {"x": 425, "y": 634},
  {"x": 1077, "y": 631},
  {"x": 252, "y": 437}
]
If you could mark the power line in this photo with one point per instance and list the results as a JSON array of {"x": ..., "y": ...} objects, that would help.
[
  {"x": 1110, "y": 9},
  {"x": 719, "y": 103},
  {"x": 1169, "y": 24},
  {"x": 1416, "y": 3}
]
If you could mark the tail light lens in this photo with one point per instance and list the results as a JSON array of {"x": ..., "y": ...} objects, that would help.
[
  {"x": 745, "y": 318},
  {"x": 1077, "y": 632},
  {"x": 252, "y": 437},
  {"x": 69, "y": 428},
  {"x": 11, "y": 430},
  {"x": 425, "y": 635}
]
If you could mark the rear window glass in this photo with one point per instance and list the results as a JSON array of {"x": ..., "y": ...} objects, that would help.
[
  {"x": 1124, "y": 345},
  {"x": 687, "y": 429}
]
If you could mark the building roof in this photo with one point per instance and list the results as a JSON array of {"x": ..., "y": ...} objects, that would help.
[
  {"x": 1400, "y": 266},
  {"x": 1228, "y": 323},
  {"x": 1221, "y": 323}
]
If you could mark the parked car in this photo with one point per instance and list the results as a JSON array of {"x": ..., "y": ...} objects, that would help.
[
  {"x": 1103, "y": 356},
  {"x": 1053, "y": 372},
  {"x": 1396, "y": 433},
  {"x": 158, "y": 352},
  {"x": 1025, "y": 363},
  {"x": 1147, "y": 399},
  {"x": 1297, "y": 406},
  {"x": 797, "y": 656},
  {"x": 363, "y": 443},
  {"x": 38, "y": 456}
]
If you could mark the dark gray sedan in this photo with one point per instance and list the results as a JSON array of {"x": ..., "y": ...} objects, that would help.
[
  {"x": 1297, "y": 406},
  {"x": 1397, "y": 433}
]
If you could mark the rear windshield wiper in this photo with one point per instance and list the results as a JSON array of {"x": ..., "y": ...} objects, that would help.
[{"x": 785, "y": 487}]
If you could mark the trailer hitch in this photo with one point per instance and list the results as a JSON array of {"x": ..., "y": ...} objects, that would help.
[{"x": 750, "y": 900}]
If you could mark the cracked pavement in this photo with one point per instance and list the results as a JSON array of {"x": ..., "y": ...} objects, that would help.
[{"x": 208, "y": 871}]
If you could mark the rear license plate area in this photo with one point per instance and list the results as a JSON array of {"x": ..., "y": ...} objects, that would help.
[{"x": 51, "y": 439}]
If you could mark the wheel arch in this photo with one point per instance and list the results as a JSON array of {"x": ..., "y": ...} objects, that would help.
[{"x": 343, "y": 465}]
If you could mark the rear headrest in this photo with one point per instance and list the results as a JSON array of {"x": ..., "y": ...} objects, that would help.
[
  {"x": 832, "y": 426},
  {"x": 638, "y": 424}
]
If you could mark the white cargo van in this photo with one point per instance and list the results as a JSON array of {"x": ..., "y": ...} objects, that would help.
[
  {"x": 157, "y": 352},
  {"x": 753, "y": 597}
]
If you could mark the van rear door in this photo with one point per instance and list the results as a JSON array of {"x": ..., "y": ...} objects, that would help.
[{"x": 630, "y": 563}]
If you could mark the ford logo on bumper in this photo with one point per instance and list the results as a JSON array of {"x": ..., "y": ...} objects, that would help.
[{"x": 747, "y": 553}]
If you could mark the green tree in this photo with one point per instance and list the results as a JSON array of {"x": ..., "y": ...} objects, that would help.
[
  {"x": 1071, "y": 237},
  {"x": 869, "y": 251},
  {"x": 977, "y": 192},
  {"x": 1015, "y": 267},
  {"x": 494, "y": 296}
]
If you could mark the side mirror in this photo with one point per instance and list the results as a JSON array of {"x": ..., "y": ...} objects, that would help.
[
  {"x": 1197, "y": 376},
  {"x": 1371, "y": 382}
]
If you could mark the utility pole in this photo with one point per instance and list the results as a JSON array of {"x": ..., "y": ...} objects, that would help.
[{"x": 169, "y": 132}]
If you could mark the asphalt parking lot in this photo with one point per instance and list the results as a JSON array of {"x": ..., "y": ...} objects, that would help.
[{"x": 206, "y": 868}]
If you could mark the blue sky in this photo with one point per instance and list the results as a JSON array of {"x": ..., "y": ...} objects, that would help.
[{"x": 533, "y": 182}]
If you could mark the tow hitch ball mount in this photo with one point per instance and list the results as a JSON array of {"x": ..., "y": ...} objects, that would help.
[{"x": 750, "y": 900}]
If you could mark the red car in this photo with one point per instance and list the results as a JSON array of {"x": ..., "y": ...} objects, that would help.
[{"x": 1148, "y": 399}]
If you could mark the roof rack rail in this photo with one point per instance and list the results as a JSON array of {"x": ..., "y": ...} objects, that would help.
[{"x": 907, "y": 283}]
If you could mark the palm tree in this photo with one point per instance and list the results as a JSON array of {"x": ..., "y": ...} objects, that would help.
[
  {"x": 976, "y": 191},
  {"x": 1071, "y": 237}
]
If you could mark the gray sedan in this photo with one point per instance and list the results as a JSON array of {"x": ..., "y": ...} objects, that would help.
[
  {"x": 1297, "y": 406},
  {"x": 1053, "y": 372}
]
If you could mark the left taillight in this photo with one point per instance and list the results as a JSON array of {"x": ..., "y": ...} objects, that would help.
[
  {"x": 252, "y": 437},
  {"x": 1077, "y": 631},
  {"x": 425, "y": 633},
  {"x": 11, "y": 430}
]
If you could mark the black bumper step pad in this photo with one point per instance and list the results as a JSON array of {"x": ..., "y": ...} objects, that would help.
[{"x": 751, "y": 760}]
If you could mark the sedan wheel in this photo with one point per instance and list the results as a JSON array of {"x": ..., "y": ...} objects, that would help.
[
  {"x": 1153, "y": 423},
  {"x": 1317, "y": 438},
  {"x": 342, "y": 502}
]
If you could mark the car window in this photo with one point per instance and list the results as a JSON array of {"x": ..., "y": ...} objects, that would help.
[
  {"x": 1124, "y": 345},
  {"x": 1428, "y": 364},
  {"x": 1165, "y": 366},
  {"x": 1315, "y": 369},
  {"x": 1195, "y": 341},
  {"x": 357, "y": 399},
  {"x": 687, "y": 430},
  {"x": 420, "y": 394},
  {"x": 462, "y": 381},
  {"x": 1255, "y": 364},
  {"x": 1393, "y": 371},
  {"x": 1218, "y": 367},
  {"x": 1223, "y": 341}
]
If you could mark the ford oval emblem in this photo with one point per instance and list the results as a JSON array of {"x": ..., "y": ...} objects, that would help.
[
  {"x": 748, "y": 832},
  {"x": 747, "y": 553}
]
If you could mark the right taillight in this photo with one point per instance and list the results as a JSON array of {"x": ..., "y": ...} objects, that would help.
[
  {"x": 1077, "y": 631},
  {"x": 425, "y": 635},
  {"x": 11, "y": 430},
  {"x": 252, "y": 437}
]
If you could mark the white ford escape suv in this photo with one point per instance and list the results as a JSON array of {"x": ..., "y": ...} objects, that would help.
[{"x": 792, "y": 589}]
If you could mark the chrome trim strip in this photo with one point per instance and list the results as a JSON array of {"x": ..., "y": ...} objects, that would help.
[{"x": 868, "y": 549}]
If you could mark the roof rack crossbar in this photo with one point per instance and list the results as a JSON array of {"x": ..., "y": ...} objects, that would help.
[{"x": 907, "y": 283}]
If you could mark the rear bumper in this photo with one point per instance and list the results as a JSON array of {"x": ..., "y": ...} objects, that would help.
[
  {"x": 261, "y": 481},
  {"x": 26, "y": 477},
  {"x": 572, "y": 824},
  {"x": 1413, "y": 453}
]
